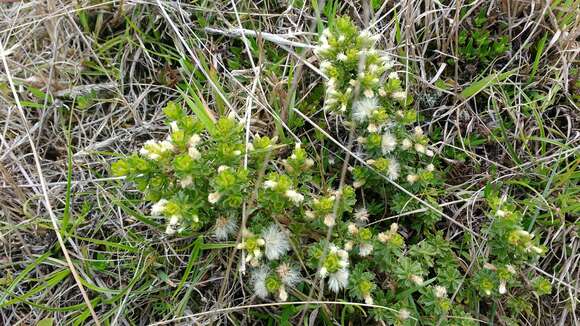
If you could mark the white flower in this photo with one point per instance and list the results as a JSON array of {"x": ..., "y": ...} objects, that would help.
[
  {"x": 420, "y": 148},
  {"x": 384, "y": 237},
  {"x": 510, "y": 268},
  {"x": 259, "y": 282},
  {"x": 329, "y": 220},
  {"x": 394, "y": 227},
  {"x": 341, "y": 57},
  {"x": 368, "y": 93},
  {"x": 430, "y": 167},
  {"x": 348, "y": 245},
  {"x": 174, "y": 220},
  {"x": 282, "y": 294},
  {"x": 363, "y": 109},
  {"x": 222, "y": 168},
  {"x": 406, "y": 143},
  {"x": 214, "y": 197},
  {"x": 166, "y": 145},
  {"x": 309, "y": 214},
  {"x": 372, "y": 127},
  {"x": 393, "y": 75},
  {"x": 325, "y": 65},
  {"x": 365, "y": 34},
  {"x": 418, "y": 131},
  {"x": 489, "y": 266},
  {"x": 186, "y": 182},
  {"x": 158, "y": 208},
  {"x": 270, "y": 184},
  {"x": 194, "y": 140},
  {"x": 502, "y": 287},
  {"x": 429, "y": 153},
  {"x": 224, "y": 227},
  {"x": 388, "y": 142},
  {"x": 393, "y": 169},
  {"x": 361, "y": 215},
  {"x": 412, "y": 178},
  {"x": 365, "y": 249},
  {"x": 294, "y": 196},
  {"x": 323, "y": 272},
  {"x": 404, "y": 314},
  {"x": 387, "y": 62},
  {"x": 417, "y": 279},
  {"x": 368, "y": 299},
  {"x": 440, "y": 292},
  {"x": 537, "y": 250},
  {"x": 170, "y": 230},
  {"x": 500, "y": 213},
  {"x": 289, "y": 276},
  {"x": 338, "y": 280},
  {"x": 172, "y": 225},
  {"x": 400, "y": 96},
  {"x": 193, "y": 153},
  {"x": 276, "y": 242},
  {"x": 352, "y": 229}
]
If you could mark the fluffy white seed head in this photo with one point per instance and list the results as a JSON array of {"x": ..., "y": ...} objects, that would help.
[
  {"x": 388, "y": 142},
  {"x": 365, "y": 249},
  {"x": 276, "y": 242},
  {"x": 338, "y": 280},
  {"x": 224, "y": 227},
  {"x": 361, "y": 215},
  {"x": 289, "y": 276},
  {"x": 393, "y": 169},
  {"x": 364, "y": 108},
  {"x": 259, "y": 281}
]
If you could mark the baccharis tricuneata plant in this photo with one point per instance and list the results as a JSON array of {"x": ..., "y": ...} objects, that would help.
[{"x": 197, "y": 180}]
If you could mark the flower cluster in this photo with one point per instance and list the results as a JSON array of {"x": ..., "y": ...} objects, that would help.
[
  {"x": 294, "y": 223},
  {"x": 364, "y": 88},
  {"x": 510, "y": 247}
]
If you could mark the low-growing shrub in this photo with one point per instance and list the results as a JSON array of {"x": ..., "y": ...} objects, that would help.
[{"x": 273, "y": 201}]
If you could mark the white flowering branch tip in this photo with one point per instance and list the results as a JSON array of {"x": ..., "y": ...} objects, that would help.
[
  {"x": 294, "y": 196},
  {"x": 275, "y": 242},
  {"x": 214, "y": 197}
]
